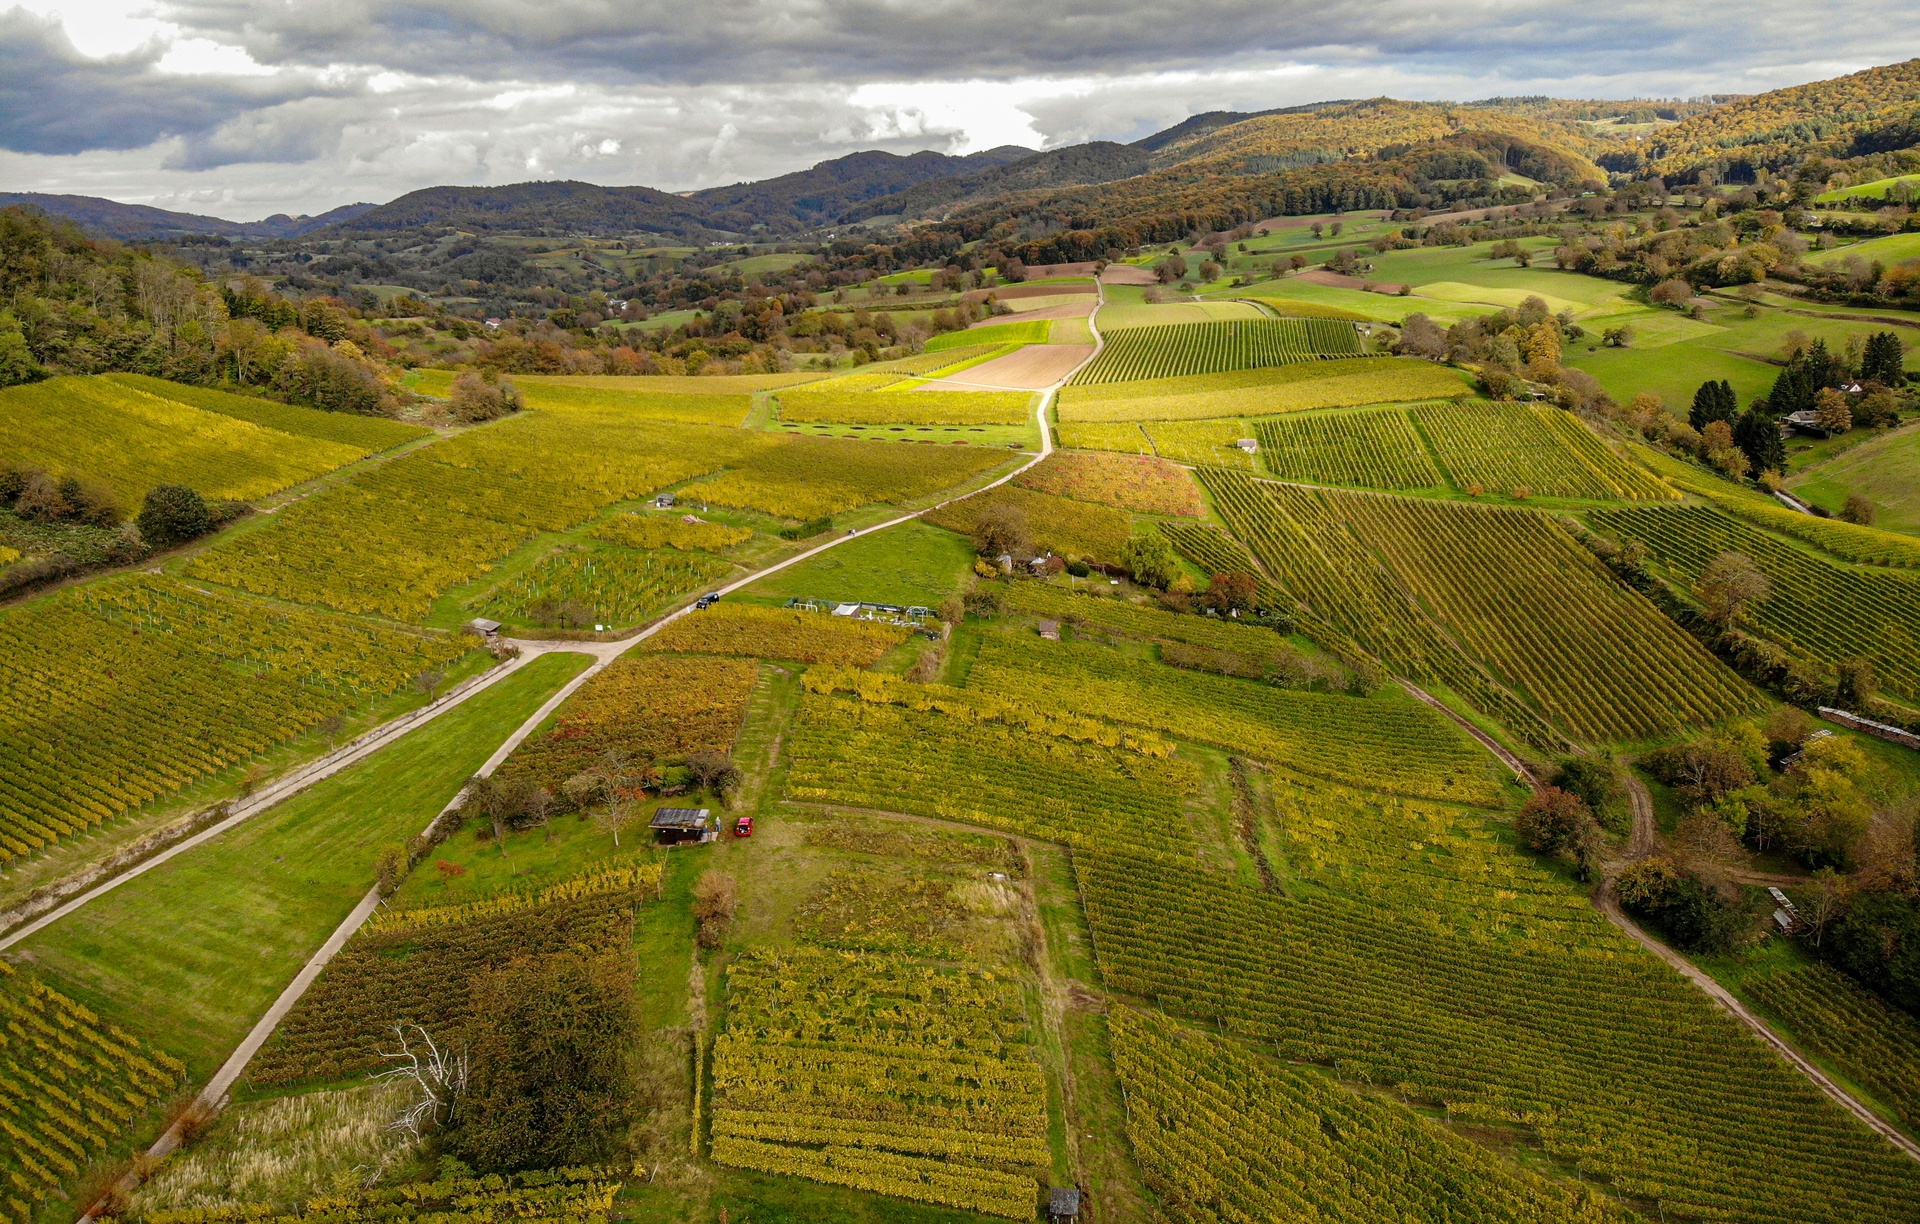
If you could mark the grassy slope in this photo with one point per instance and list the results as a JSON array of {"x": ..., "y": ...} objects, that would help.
[
  {"x": 1886, "y": 469},
  {"x": 909, "y": 564},
  {"x": 193, "y": 952}
]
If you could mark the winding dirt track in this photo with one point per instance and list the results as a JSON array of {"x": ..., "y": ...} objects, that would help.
[{"x": 1640, "y": 845}]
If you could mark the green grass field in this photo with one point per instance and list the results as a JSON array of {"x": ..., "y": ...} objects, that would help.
[
  {"x": 1885, "y": 469},
  {"x": 909, "y": 564},
  {"x": 194, "y": 951},
  {"x": 1872, "y": 192},
  {"x": 1891, "y": 249}
]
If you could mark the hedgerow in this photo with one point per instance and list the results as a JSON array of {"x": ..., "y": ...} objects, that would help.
[{"x": 125, "y": 690}]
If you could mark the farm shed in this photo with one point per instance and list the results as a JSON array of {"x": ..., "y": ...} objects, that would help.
[
  {"x": 1050, "y": 630},
  {"x": 664, "y": 501},
  {"x": 673, "y": 825},
  {"x": 1063, "y": 1203},
  {"x": 1248, "y": 445},
  {"x": 483, "y": 626}
]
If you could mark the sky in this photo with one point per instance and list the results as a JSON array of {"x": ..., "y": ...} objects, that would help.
[{"x": 245, "y": 108}]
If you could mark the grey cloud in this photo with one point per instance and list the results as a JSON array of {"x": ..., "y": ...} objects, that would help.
[
  {"x": 54, "y": 100},
  {"x": 671, "y": 41}
]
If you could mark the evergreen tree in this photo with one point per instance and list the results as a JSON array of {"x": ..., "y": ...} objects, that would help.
[
  {"x": 1758, "y": 436},
  {"x": 1793, "y": 391},
  {"x": 1883, "y": 361},
  {"x": 1714, "y": 401}
]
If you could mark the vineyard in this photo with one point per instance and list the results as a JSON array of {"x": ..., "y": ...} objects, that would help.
[
  {"x": 1144, "y": 485},
  {"x": 658, "y": 531},
  {"x": 906, "y": 407},
  {"x": 632, "y": 399},
  {"x": 99, "y": 429},
  {"x": 778, "y": 633},
  {"x": 1202, "y": 443},
  {"x": 1180, "y": 349},
  {"x": 1375, "y": 450},
  {"x": 1409, "y": 578},
  {"x": 1003, "y": 775},
  {"x": 71, "y": 1088},
  {"x": 897, "y": 1077},
  {"x": 1849, "y": 541},
  {"x": 1609, "y": 1058},
  {"x": 656, "y": 708},
  {"x": 1392, "y": 743},
  {"x": 1502, "y": 447},
  {"x": 1124, "y": 436},
  {"x": 1066, "y": 527},
  {"x": 1142, "y": 621},
  {"x": 1283, "y": 1143},
  {"x": 413, "y": 968},
  {"x": 124, "y": 691},
  {"x": 805, "y": 478},
  {"x": 1833, "y": 610},
  {"x": 1241, "y": 393},
  {"x": 540, "y": 1196},
  {"x": 391, "y": 540},
  {"x": 1833, "y": 1019},
  {"x": 347, "y": 428},
  {"x": 598, "y": 586}
]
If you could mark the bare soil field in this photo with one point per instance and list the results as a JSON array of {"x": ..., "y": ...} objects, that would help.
[
  {"x": 1128, "y": 274},
  {"x": 1009, "y": 293},
  {"x": 1030, "y": 369},
  {"x": 1320, "y": 276}
]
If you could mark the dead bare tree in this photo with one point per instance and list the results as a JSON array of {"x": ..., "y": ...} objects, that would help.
[{"x": 437, "y": 1077}]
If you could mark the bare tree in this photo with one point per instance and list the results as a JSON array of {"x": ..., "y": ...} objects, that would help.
[
  {"x": 429, "y": 682},
  {"x": 614, "y": 817},
  {"x": 331, "y": 726},
  {"x": 437, "y": 1078}
]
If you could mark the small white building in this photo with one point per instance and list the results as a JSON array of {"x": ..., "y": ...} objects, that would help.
[{"x": 1248, "y": 445}]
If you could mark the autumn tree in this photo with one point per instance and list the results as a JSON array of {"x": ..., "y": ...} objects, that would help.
[
  {"x": 1728, "y": 584},
  {"x": 552, "y": 1041},
  {"x": 1560, "y": 823},
  {"x": 1234, "y": 591},
  {"x": 1833, "y": 412},
  {"x": 1001, "y": 530}
]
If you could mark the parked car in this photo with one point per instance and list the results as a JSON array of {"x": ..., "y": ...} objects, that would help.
[{"x": 743, "y": 827}]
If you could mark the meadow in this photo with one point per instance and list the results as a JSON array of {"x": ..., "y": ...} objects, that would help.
[
  {"x": 1064, "y": 526},
  {"x": 907, "y": 565},
  {"x": 1885, "y": 470}
]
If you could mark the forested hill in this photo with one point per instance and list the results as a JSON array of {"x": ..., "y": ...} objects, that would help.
[
  {"x": 1872, "y": 112},
  {"x": 131, "y": 222},
  {"x": 832, "y": 190}
]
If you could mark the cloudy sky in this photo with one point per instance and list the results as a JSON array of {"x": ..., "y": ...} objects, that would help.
[{"x": 243, "y": 108}]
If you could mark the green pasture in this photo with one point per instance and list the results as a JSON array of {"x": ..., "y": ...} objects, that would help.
[
  {"x": 1885, "y": 469},
  {"x": 1385, "y": 307},
  {"x": 1892, "y": 249},
  {"x": 193, "y": 952},
  {"x": 666, "y": 320},
  {"x": 754, "y": 264},
  {"x": 1878, "y": 189},
  {"x": 910, "y": 564}
]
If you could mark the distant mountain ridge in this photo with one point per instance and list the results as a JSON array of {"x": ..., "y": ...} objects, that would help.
[{"x": 133, "y": 222}]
